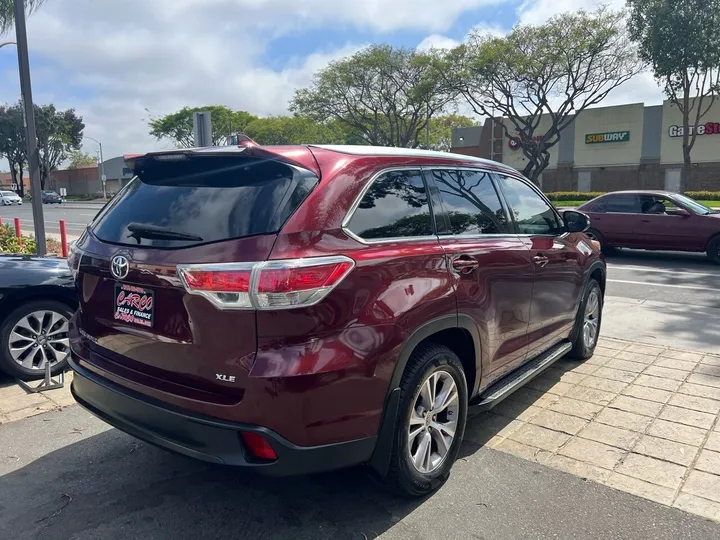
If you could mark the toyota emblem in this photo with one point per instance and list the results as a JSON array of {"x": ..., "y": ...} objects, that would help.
[{"x": 120, "y": 267}]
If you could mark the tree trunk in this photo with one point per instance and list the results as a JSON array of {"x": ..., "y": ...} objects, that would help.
[
  {"x": 687, "y": 162},
  {"x": 21, "y": 184}
]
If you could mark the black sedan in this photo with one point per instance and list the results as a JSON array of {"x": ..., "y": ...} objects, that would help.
[{"x": 37, "y": 299}]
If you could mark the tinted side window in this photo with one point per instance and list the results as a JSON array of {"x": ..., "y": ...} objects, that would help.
[
  {"x": 532, "y": 214},
  {"x": 626, "y": 203},
  {"x": 395, "y": 206},
  {"x": 471, "y": 202}
]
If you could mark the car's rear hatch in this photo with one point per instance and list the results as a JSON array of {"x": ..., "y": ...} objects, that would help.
[{"x": 183, "y": 208}]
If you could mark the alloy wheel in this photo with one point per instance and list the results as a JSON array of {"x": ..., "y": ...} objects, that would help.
[
  {"x": 40, "y": 338},
  {"x": 433, "y": 422},
  {"x": 591, "y": 320}
]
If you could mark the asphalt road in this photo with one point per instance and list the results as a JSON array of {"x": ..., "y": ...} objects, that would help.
[
  {"x": 678, "y": 278},
  {"x": 66, "y": 476},
  {"x": 668, "y": 277},
  {"x": 76, "y": 216}
]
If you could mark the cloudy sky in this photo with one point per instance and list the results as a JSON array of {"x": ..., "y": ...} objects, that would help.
[{"x": 118, "y": 63}]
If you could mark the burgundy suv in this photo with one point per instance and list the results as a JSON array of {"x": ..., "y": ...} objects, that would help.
[{"x": 299, "y": 309}]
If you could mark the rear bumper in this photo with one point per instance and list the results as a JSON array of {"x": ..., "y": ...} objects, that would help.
[{"x": 205, "y": 438}]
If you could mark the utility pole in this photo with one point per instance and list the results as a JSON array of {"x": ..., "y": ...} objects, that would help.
[
  {"x": 32, "y": 149},
  {"x": 101, "y": 168}
]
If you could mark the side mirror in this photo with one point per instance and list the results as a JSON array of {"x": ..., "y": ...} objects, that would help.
[
  {"x": 682, "y": 213},
  {"x": 576, "y": 221}
]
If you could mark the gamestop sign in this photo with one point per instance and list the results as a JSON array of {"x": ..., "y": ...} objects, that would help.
[{"x": 708, "y": 128}]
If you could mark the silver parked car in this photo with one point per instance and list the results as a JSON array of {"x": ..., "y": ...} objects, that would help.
[{"x": 8, "y": 198}]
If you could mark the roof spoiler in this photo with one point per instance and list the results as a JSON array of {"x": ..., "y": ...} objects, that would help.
[{"x": 303, "y": 159}]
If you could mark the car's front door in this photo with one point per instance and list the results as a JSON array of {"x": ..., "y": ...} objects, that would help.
[
  {"x": 559, "y": 276},
  {"x": 491, "y": 267},
  {"x": 663, "y": 225}
]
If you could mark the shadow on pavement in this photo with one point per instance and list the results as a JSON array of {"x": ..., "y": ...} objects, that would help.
[
  {"x": 110, "y": 486},
  {"x": 670, "y": 260}
]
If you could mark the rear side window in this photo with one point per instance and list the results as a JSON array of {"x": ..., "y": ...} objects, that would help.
[
  {"x": 395, "y": 206},
  {"x": 625, "y": 203},
  {"x": 201, "y": 199},
  {"x": 471, "y": 203}
]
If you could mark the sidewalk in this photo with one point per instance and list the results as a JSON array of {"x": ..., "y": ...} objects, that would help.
[{"x": 638, "y": 418}]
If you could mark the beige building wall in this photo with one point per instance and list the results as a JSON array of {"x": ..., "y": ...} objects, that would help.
[
  {"x": 707, "y": 146},
  {"x": 624, "y": 118},
  {"x": 515, "y": 158}
]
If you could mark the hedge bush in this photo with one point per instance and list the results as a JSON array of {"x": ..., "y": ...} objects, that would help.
[
  {"x": 10, "y": 244},
  {"x": 587, "y": 195}
]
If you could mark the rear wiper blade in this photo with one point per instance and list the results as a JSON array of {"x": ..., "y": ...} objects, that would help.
[{"x": 140, "y": 230}]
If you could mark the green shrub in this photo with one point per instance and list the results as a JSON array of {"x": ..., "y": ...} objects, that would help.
[
  {"x": 9, "y": 243},
  {"x": 586, "y": 196},
  {"x": 704, "y": 195},
  {"x": 573, "y": 195}
]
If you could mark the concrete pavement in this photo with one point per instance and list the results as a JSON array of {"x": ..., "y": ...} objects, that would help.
[{"x": 83, "y": 481}]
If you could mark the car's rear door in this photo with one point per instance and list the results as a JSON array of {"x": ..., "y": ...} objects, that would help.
[
  {"x": 491, "y": 266},
  {"x": 615, "y": 216},
  {"x": 559, "y": 274}
]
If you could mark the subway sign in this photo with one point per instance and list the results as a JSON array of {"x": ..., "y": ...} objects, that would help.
[
  {"x": 610, "y": 136},
  {"x": 708, "y": 128}
]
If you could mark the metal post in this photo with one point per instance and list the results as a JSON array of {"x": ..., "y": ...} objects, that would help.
[
  {"x": 202, "y": 127},
  {"x": 492, "y": 136},
  {"x": 63, "y": 238},
  {"x": 32, "y": 149},
  {"x": 427, "y": 126}
]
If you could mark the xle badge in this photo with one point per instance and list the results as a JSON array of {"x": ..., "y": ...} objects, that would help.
[{"x": 225, "y": 378}]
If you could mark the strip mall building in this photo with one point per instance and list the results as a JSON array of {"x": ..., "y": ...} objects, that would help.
[{"x": 612, "y": 148}]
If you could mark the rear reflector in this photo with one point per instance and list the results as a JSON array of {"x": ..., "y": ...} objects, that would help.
[
  {"x": 257, "y": 446},
  {"x": 280, "y": 284}
]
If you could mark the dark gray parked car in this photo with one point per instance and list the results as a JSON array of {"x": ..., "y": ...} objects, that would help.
[{"x": 37, "y": 299}]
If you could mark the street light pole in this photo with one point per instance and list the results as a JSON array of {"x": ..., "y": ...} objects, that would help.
[
  {"x": 32, "y": 149},
  {"x": 102, "y": 167}
]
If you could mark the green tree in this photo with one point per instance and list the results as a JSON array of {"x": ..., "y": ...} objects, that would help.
[
  {"x": 58, "y": 133},
  {"x": 13, "y": 143},
  {"x": 679, "y": 39},
  {"x": 384, "y": 94},
  {"x": 544, "y": 74},
  {"x": 295, "y": 130},
  {"x": 77, "y": 157},
  {"x": 441, "y": 128},
  {"x": 178, "y": 126},
  {"x": 7, "y": 12}
]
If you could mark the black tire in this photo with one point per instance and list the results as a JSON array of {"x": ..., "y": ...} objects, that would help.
[
  {"x": 713, "y": 250},
  {"x": 582, "y": 350},
  {"x": 7, "y": 362},
  {"x": 594, "y": 234},
  {"x": 403, "y": 476}
]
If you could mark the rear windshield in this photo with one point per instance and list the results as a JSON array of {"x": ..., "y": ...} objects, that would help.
[{"x": 194, "y": 200}]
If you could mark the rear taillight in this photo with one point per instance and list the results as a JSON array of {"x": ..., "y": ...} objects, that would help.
[
  {"x": 73, "y": 259},
  {"x": 269, "y": 285}
]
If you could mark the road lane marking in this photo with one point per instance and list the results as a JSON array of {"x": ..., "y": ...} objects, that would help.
[
  {"x": 661, "y": 270},
  {"x": 650, "y": 284}
]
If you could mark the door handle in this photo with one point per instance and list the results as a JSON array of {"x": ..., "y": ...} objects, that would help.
[
  {"x": 464, "y": 264},
  {"x": 541, "y": 260}
]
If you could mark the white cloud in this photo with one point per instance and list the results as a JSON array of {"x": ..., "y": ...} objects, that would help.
[
  {"x": 119, "y": 63},
  {"x": 539, "y": 11},
  {"x": 437, "y": 41}
]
